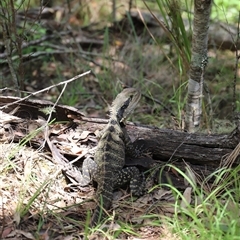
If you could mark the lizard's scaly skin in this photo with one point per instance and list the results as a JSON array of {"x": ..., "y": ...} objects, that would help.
[{"x": 109, "y": 160}]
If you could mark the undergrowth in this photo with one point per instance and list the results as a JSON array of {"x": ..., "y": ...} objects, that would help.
[{"x": 208, "y": 210}]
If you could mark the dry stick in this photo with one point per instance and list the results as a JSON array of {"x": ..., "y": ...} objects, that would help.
[
  {"x": 31, "y": 56},
  {"x": 47, "y": 89},
  {"x": 61, "y": 51},
  {"x": 32, "y": 43},
  {"x": 56, "y": 102},
  {"x": 50, "y": 114},
  {"x": 38, "y": 54},
  {"x": 45, "y": 126},
  {"x": 53, "y": 107}
]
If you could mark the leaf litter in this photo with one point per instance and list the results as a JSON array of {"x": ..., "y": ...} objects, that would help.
[{"x": 26, "y": 171}]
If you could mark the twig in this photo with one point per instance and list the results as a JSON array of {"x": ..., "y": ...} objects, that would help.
[
  {"x": 61, "y": 50},
  {"x": 32, "y": 43},
  {"x": 47, "y": 89},
  {"x": 50, "y": 114},
  {"x": 39, "y": 53}
]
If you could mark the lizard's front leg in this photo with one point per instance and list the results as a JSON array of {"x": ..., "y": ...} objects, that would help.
[
  {"x": 130, "y": 149},
  {"x": 89, "y": 169},
  {"x": 133, "y": 176}
]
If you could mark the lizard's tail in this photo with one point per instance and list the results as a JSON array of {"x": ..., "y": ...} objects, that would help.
[{"x": 104, "y": 199}]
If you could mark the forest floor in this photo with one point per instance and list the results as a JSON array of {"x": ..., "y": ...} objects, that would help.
[{"x": 36, "y": 201}]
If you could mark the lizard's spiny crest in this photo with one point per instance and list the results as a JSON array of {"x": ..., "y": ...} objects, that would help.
[{"x": 125, "y": 103}]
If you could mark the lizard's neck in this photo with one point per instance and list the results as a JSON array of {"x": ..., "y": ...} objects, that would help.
[
  {"x": 114, "y": 121},
  {"x": 124, "y": 104},
  {"x": 120, "y": 110}
]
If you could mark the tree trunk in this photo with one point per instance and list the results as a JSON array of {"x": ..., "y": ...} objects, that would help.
[{"x": 202, "y": 10}]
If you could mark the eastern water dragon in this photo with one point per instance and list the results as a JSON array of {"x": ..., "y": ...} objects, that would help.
[{"x": 107, "y": 168}]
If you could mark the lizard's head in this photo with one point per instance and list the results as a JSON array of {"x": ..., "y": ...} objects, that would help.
[{"x": 125, "y": 103}]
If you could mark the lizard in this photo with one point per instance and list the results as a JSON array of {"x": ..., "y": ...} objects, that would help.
[{"x": 107, "y": 167}]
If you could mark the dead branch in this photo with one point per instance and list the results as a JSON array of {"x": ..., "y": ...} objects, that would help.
[
  {"x": 166, "y": 144},
  {"x": 162, "y": 144}
]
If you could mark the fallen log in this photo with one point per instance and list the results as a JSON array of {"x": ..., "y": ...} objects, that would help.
[
  {"x": 162, "y": 144},
  {"x": 167, "y": 145}
]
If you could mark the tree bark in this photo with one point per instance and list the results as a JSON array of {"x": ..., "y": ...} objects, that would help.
[{"x": 202, "y": 10}]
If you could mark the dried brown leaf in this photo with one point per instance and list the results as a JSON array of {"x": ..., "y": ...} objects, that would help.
[{"x": 186, "y": 198}]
